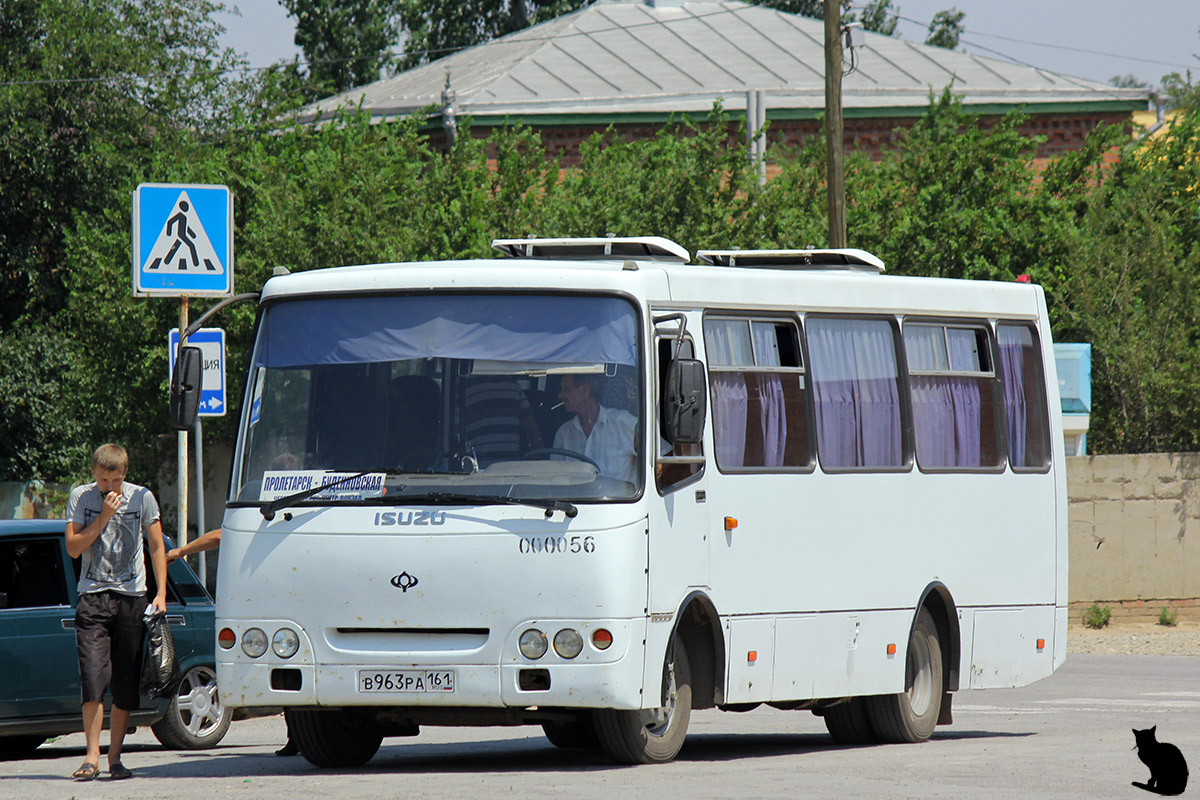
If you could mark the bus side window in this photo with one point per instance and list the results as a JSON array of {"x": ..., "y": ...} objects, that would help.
[
  {"x": 1024, "y": 397},
  {"x": 856, "y": 392},
  {"x": 759, "y": 398},
  {"x": 670, "y": 476},
  {"x": 953, "y": 386}
]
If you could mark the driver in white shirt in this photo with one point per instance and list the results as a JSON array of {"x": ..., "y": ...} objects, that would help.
[{"x": 605, "y": 435}]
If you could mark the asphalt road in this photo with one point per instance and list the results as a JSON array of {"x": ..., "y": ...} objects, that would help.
[{"x": 1067, "y": 736}]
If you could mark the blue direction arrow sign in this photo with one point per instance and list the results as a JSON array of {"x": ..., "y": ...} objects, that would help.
[
  {"x": 182, "y": 240},
  {"x": 211, "y": 342}
]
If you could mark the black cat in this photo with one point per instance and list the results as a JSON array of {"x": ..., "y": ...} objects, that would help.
[{"x": 1168, "y": 770}]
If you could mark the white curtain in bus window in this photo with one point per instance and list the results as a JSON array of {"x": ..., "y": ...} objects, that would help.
[
  {"x": 856, "y": 392},
  {"x": 757, "y": 393},
  {"x": 954, "y": 415},
  {"x": 1024, "y": 397}
]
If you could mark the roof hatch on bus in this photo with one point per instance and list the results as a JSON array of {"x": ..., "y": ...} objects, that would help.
[
  {"x": 650, "y": 248},
  {"x": 846, "y": 259}
]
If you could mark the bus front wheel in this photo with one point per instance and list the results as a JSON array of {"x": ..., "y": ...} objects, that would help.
[
  {"x": 655, "y": 735},
  {"x": 334, "y": 738},
  {"x": 911, "y": 715}
]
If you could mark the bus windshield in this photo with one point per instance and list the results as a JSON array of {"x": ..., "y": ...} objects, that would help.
[{"x": 441, "y": 397}]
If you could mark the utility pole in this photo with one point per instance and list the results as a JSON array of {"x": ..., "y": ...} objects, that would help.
[{"x": 833, "y": 124}]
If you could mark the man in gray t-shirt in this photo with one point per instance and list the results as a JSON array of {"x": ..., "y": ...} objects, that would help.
[
  {"x": 114, "y": 561},
  {"x": 106, "y": 520}
]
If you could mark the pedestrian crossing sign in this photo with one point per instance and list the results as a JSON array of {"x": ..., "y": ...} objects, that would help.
[{"x": 182, "y": 240}]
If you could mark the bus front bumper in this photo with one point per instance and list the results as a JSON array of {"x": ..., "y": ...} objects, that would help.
[{"x": 615, "y": 685}]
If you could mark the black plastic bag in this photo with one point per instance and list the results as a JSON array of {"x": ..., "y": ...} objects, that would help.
[{"x": 160, "y": 672}]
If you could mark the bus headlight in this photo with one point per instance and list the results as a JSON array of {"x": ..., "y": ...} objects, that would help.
[
  {"x": 532, "y": 644},
  {"x": 568, "y": 643},
  {"x": 285, "y": 643},
  {"x": 254, "y": 642}
]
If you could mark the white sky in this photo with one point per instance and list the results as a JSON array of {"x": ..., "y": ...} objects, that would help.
[{"x": 1093, "y": 39}]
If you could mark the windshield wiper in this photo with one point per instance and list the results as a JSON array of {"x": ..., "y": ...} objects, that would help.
[
  {"x": 268, "y": 510},
  {"x": 550, "y": 506}
]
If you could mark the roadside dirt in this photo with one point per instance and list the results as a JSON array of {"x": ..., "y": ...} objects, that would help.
[{"x": 1136, "y": 638}]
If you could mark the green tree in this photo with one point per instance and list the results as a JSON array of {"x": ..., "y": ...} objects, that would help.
[
  {"x": 946, "y": 28},
  {"x": 436, "y": 29},
  {"x": 1131, "y": 289},
  {"x": 85, "y": 87},
  {"x": 878, "y": 16},
  {"x": 956, "y": 199},
  {"x": 1127, "y": 81},
  {"x": 689, "y": 183},
  {"x": 346, "y": 43},
  {"x": 90, "y": 92}
]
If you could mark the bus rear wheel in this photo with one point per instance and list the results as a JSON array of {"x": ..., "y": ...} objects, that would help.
[
  {"x": 850, "y": 723},
  {"x": 912, "y": 715},
  {"x": 650, "y": 736},
  {"x": 334, "y": 738}
]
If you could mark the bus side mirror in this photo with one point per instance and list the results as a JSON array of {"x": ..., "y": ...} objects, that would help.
[
  {"x": 685, "y": 401},
  {"x": 185, "y": 388}
]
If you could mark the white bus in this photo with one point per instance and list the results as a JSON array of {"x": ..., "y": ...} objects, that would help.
[{"x": 593, "y": 486}]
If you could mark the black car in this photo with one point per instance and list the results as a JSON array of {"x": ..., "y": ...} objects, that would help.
[{"x": 39, "y": 669}]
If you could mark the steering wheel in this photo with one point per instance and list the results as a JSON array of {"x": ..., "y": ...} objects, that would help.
[{"x": 558, "y": 451}]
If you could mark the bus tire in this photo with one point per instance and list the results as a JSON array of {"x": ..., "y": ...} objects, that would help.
[
  {"x": 850, "y": 723},
  {"x": 572, "y": 735},
  {"x": 650, "y": 736},
  {"x": 334, "y": 738},
  {"x": 912, "y": 715}
]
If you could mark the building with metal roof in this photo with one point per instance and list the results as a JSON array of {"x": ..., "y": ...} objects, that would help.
[{"x": 636, "y": 64}]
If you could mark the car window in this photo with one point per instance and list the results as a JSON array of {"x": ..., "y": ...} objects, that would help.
[{"x": 31, "y": 574}]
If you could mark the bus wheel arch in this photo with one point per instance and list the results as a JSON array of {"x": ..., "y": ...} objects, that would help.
[
  {"x": 940, "y": 603},
  {"x": 698, "y": 625}
]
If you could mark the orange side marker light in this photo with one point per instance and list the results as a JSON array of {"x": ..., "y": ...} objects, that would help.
[
  {"x": 730, "y": 523},
  {"x": 891, "y": 649},
  {"x": 752, "y": 656},
  {"x": 1041, "y": 644}
]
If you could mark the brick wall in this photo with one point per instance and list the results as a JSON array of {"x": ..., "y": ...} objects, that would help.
[
  {"x": 1135, "y": 534},
  {"x": 1063, "y": 132}
]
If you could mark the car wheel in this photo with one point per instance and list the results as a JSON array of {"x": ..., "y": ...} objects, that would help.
[{"x": 196, "y": 719}]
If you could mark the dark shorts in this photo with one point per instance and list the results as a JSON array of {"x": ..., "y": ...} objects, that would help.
[{"x": 108, "y": 635}]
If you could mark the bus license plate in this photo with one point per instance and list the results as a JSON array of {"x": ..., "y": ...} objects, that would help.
[{"x": 410, "y": 680}]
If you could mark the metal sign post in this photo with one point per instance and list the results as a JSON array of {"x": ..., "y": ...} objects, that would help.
[
  {"x": 183, "y": 247},
  {"x": 200, "y": 499},
  {"x": 182, "y": 454}
]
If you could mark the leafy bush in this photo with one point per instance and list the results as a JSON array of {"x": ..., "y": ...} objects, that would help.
[
  {"x": 1097, "y": 616},
  {"x": 1169, "y": 617}
]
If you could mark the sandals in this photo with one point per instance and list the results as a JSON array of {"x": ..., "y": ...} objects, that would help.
[
  {"x": 118, "y": 771},
  {"x": 86, "y": 772}
]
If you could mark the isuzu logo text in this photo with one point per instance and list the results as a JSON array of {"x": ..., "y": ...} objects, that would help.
[{"x": 410, "y": 518}]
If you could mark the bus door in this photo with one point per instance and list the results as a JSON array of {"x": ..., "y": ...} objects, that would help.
[
  {"x": 678, "y": 516},
  {"x": 757, "y": 487}
]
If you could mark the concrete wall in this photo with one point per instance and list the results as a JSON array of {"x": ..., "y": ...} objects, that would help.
[{"x": 1135, "y": 533}]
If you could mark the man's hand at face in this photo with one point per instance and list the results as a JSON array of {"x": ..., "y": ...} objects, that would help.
[{"x": 112, "y": 504}]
